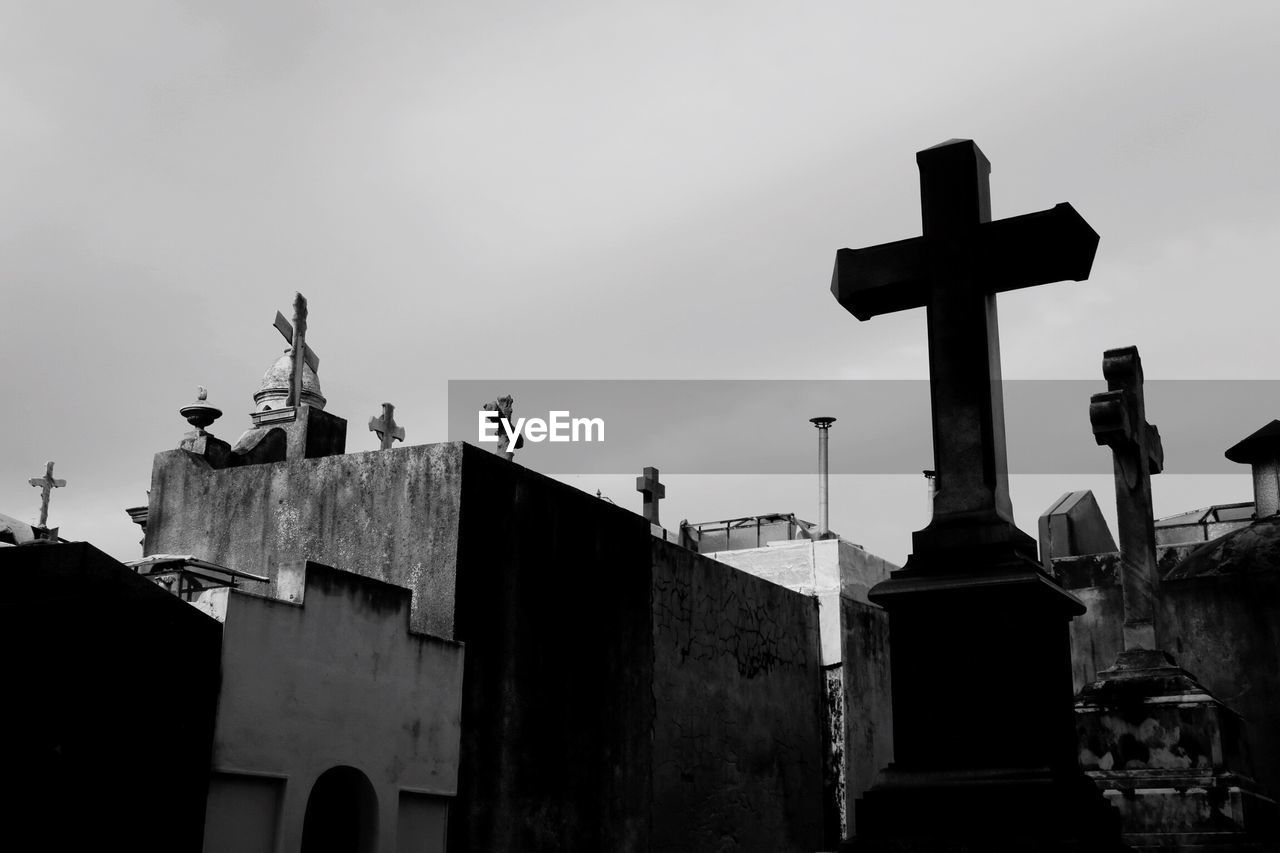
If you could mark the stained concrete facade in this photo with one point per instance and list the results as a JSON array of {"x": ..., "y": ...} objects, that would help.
[
  {"x": 855, "y": 657},
  {"x": 826, "y": 568},
  {"x": 619, "y": 693},
  {"x": 737, "y": 709},
  {"x": 331, "y": 684},
  {"x": 390, "y": 515}
]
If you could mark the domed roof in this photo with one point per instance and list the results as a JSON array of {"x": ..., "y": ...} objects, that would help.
[
  {"x": 274, "y": 390},
  {"x": 1251, "y": 549}
]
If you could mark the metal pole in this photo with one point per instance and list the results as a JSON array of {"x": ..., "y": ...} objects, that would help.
[{"x": 823, "y": 424}]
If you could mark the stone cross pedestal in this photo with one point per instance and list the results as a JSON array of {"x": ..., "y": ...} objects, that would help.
[
  {"x": 46, "y": 484},
  {"x": 1119, "y": 421},
  {"x": 1162, "y": 748},
  {"x": 983, "y": 731},
  {"x": 653, "y": 492},
  {"x": 386, "y": 427}
]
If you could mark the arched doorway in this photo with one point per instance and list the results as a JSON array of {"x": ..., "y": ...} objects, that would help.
[{"x": 342, "y": 814}]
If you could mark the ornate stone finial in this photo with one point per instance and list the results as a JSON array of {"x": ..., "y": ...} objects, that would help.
[{"x": 199, "y": 414}]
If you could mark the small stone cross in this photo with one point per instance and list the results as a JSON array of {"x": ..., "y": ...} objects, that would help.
[
  {"x": 296, "y": 336},
  {"x": 46, "y": 484},
  {"x": 386, "y": 427},
  {"x": 653, "y": 492},
  {"x": 1119, "y": 420}
]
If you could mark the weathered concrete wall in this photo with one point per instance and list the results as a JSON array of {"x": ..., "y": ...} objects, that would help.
[
  {"x": 737, "y": 733},
  {"x": 868, "y": 700},
  {"x": 622, "y": 693},
  {"x": 390, "y": 515},
  {"x": 553, "y": 592},
  {"x": 815, "y": 567},
  {"x": 107, "y": 717},
  {"x": 854, "y": 643},
  {"x": 335, "y": 681},
  {"x": 554, "y": 609},
  {"x": 802, "y": 564},
  {"x": 860, "y": 570},
  {"x": 1225, "y": 630},
  {"x": 827, "y": 568}
]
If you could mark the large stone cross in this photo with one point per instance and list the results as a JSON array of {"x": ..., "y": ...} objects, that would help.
[
  {"x": 46, "y": 484},
  {"x": 386, "y": 427},
  {"x": 954, "y": 272},
  {"x": 296, "y": 336},
  {"x": 653, "y": 492},
  {"x": 1119, "y": 419}
]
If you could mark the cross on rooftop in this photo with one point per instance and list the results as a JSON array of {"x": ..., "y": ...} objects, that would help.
[
  {"x": 954, "y": 271},
  {"x": 1119, "y": 420},
  {"x": 653, "y": 492},
  {"x": 296, "y": 336},
  {"x": 46, "y": 484},
  {"x": 386, "y": 427}
]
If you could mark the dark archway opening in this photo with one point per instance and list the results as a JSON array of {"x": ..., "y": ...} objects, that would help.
[{"x": 342, "y": 814}]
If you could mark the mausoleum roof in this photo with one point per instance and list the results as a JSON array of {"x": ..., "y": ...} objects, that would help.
[
  {"x": 274, "y": 389},
  {"x": 1249, "y": 550},
  {"x": 1260, "y": 446}
]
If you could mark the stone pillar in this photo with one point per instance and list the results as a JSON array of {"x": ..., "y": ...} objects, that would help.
[{"x": 1262, "y": 451}]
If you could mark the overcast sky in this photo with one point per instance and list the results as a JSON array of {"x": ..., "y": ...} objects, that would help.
[{"x": 643, "y": 190}]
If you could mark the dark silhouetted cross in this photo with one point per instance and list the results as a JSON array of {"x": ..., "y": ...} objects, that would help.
[
  {"x": 653, "y": 492},
  {"x": 955, "y": 271},
  {"x": 1119, "y": 419}
]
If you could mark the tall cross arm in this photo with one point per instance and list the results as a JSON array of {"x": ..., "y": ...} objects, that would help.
[
  {"x": 1109, "y": 416},
  {"x": 1008, "y": 254},
  {"x": 882, "y": 279},
  {"x": 1155, "y": 449},
  {"x": 648, "y": 483},
  {"x": 40, "y": 481},
  {"x": 308, "y": 355},
  {"x": 653, "y": 490},
  {"x": 1122, "y": 368},
  {"x": 1033, "y": 249},
  {"x": 379, "y": 425},
  {"x": 1111, "y": 413}
]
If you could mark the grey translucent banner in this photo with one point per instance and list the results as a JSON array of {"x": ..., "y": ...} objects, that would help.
[{"x": 883, "y": 426}]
